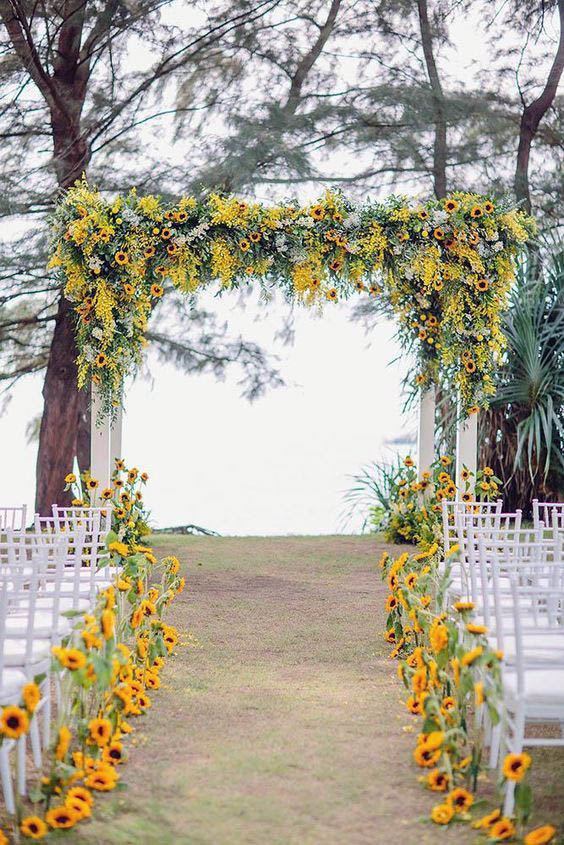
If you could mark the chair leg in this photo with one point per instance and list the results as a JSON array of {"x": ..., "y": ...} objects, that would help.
[
  {"x": 46, "y": 714},
  {"x": 21, "y": 765},
  {"x": 515, "y": 747},
  {"x": 35, "y": 739},
  {"x": 6, "y": 777},
  {"x": 495, "y": 742}
]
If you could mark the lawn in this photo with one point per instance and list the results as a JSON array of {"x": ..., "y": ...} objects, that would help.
[{"x": 280, "y": 719}]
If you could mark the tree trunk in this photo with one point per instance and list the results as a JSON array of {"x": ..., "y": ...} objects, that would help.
[
  {"x": 440, "y": 149},
  {"x": 58, "y": 433},
  {"x": 65, "y": 424},
  {"x": 531, "y": 118}
]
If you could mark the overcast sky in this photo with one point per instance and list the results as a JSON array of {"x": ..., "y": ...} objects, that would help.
[{"x": 278, "y": 466}]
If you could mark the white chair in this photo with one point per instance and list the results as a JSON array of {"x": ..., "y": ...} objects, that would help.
[
  {"x": 13, "y": 518},
  {"x": 548, "y": 514},
  {"x": 534, "y": 566}
]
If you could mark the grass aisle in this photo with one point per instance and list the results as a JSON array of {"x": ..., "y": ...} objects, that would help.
[{"x": 281, "y": 723}]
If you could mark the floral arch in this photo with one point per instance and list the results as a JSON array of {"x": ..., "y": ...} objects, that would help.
[{"x": 444, "y": 267}]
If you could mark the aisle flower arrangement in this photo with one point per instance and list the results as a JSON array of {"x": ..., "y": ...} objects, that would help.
[
  {"x": 108, "y": 669},
  {"x": 414, "y": 513},
  {"x": 452, "y": 680},
  {"x": 443, "y": 267}
]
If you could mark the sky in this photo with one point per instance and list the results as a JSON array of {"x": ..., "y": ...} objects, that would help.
[{"x": 277, "y": 466}]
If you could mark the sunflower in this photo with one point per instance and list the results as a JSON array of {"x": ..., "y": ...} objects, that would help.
[
  {"x": 100, "y": 731},
  {"x": 70, "y": 478},
  {"x": 503, "y": 829},
  {"x": 119, "y": 513},
  {"x": 472, "y": 628},
  {"x": 423, "y": 214},
  {"x": 149, "y": 252},
  {"x": 438, "y": 636},
  {"x": 31, "y": 696},
  {"x": 476, "y": 211},
  {"x": 419, "y": 681},
  {"x": 108, "y": 622},
  {"x": 33, "y": 827},
  {"x": 113, "y": 753},
  {"x": 408, "y": 462},
  {"x": 488, "y": 207},
  {"x": 81, "y": 809},
  {"x": 470, "y": 365},
  {"x": 438, "y": 781},
  {"x": 335, "y": 265},
  {"x": 157, "y": 290},
  {"x": 390, "y": 635},
  {"x": 101, "y": 360},
  {"x": 128, "y": 289},
  {"x": 451, "y": 206},
  {"x": 255, "y": 237},
  {"x": 92, "y": 483},
  {"x": 317, "y": 212},
  {"x": 487, "y": 821},
  {"x": 391, "y": 603},
  {"x": 411, "y": 580},
  {"x": 71, "y": 658},
  {"x": 14, "y": 722},
  {"x": 415, "y": 706},
  {"x": 515, "y": 766},
  {"x": 463, "y": 606},
  {"x": 540, "y": 835},
  {"x": 79, "y": 793},
  {"x": 121, "y": 257},
  {"x": 482, "y": 285},
  {"x": 467, "y": 497},
  {"x": 103, "y": 779},
  {"x": 63, "y": 743},
  {"x": 61, "y": 817},
  {"x": 331, "y": 294},
  {"x": 471, "y": 656},
  {"x": 438, "y": 233},
  {"x": 442, "y": 813},
  {"x": 460, "y": 800},
  {"x": 107, "y": 493},
  {"x": 166, "y": 234}
]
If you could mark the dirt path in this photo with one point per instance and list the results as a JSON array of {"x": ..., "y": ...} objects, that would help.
[{"x": 281, "y": 722}]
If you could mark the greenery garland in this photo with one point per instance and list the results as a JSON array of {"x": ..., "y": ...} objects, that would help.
[{"x": 443, "y": 266}]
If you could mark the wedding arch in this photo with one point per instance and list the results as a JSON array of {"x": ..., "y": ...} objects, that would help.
[{"x": 443, "y": 266}]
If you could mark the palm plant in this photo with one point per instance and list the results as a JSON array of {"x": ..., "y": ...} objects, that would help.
[
  {"x": 370, "y": 494},
  {"x": 522, "y": 434}
]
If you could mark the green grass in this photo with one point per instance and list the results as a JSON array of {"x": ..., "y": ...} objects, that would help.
[{"x": 280, "y": 721}]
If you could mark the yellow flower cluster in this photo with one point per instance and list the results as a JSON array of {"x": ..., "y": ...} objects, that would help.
[
  {"x": 109, "y": 667},
  {"x": 450, "y": 675},
  {"x": 447, "y": 262}
]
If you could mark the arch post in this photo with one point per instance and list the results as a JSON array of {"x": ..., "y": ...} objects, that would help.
[
  {"x": 100, "y": 442},
  {"x": 426, "y": 430},
  {"x": 466, "y": 447},
  {"x": 116, "y": 436}
]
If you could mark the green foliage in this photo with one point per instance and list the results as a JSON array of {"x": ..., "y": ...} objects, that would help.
[{"x": 524, "y": 429}]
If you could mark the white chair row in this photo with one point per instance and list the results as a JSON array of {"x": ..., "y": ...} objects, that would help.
[
  {"x": 44, "y": 574},
  {"x": 515, "y": 578}
]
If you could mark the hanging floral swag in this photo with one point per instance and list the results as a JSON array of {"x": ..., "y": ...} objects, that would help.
[{"x": 444, "y": 267}]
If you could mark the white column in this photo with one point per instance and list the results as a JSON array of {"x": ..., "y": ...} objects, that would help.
[
  {"x": 466, "y": 447},
  {"x": 99, "y": 443},
  {"x": 116, "y": 436},
  {"x": 426, "y": 430}
]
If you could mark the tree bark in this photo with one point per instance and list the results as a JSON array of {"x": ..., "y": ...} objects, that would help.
[
  {"x": 531, "y": 118},
  {"x": 440, "y": 149}
]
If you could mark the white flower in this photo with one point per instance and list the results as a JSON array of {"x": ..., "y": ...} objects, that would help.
[
  {"x": 98, "y": 333},
  {"x": 439, "y": 216},
  {"x": 352, "y": 220},
  {"x": 498, "y": 246}
]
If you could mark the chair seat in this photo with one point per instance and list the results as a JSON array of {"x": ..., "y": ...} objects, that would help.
[
  {"x": 17, "y": 622},
  {"x": 536, "y": 646},
  {"x": 65, "y": 603},
  {"x": 11, "y": 684},
  {"x": 543, "y": 695}
]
